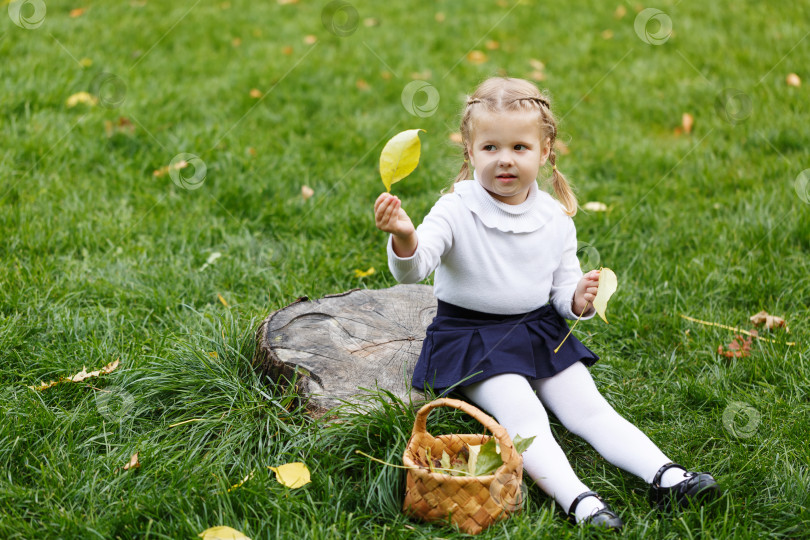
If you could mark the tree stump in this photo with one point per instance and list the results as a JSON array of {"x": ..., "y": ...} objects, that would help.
[{"x": 338, "y": 345}]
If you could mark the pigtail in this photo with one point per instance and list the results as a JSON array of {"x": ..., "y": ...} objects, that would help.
[
  {"x": 561, "y": 186},
  {"x": 464, "y": 172}
]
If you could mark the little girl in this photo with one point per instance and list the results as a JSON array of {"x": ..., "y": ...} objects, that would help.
[{"x": 504, "y": 252}]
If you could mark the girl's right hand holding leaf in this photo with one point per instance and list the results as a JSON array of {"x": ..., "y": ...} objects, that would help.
[{"x": 391, "y": 218}]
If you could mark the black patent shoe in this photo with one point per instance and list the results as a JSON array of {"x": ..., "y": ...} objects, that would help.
[
  {"x": 605, "y": 518},
  {"x": 696, "y": 488}
]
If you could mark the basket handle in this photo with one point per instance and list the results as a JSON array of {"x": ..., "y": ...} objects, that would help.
[{"x": 508, "y": 453}]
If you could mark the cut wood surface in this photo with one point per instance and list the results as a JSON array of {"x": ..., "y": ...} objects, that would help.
[{"x": 336, "y": 346}]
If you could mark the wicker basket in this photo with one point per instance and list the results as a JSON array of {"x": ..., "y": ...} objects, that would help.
[{"x": 473, "y": 503}]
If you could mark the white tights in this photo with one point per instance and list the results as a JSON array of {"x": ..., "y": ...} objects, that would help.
[{"x": 573, "y": 398}]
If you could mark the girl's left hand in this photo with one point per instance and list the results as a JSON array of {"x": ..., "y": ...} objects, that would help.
[{"x": 585, "y": 292}]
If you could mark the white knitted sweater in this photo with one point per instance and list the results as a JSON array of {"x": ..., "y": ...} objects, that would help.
[{"x": 495, "y": 257}]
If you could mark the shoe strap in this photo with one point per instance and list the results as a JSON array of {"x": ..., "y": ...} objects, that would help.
[
  {"x": 656, "y": 483},
  {"x": 579, "y": 498}
]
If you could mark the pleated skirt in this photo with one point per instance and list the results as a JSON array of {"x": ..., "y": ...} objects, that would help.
[{"x": 463, "y": 346}]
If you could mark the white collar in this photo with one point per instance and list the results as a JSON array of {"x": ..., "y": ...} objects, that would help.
[{"x": 530, "y": 215}]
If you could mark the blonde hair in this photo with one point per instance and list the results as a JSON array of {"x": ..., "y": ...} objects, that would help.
[{"x": 499, "y": 94}]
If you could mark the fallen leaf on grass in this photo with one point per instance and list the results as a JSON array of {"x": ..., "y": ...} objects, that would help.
[
  {"x": 255, "y": 93},
  {"x": 738, "y": 348},
  {"x": 182, "y": 164},
  {"x": 363, "y": 273},
  {"x": 78, "y": 12},
  {"x": 476, "y": 57},
  {"x": 307, "y": 192},
  {"x": 133, "y": 462},
  {"x": 770, "y": 321},
  {"x": 793, "y": 80},
  {"x": 79, "y": 377},
  {"x": 292, "y": 475},
  {"x": 245, "y": 479},
  {"x": 399, "y": 157},
  {"x": 83, "y": 98},
  {"x": 687, "y": 121},
  {"x": 210, "y": 260},
  {"x": 123, "y": 125},
  {"x": 222, "y": 300},
  {"x": 222, "y": 533},
  {"x": 595, "y": 206}
]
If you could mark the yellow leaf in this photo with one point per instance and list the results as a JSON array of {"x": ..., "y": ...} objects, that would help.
[
  {"x": 292, "y": 475},
  {"x": 607, "y": 286},
  {"x": 307, "y": 192},
  {"x": 245, "y": 479},
  {"x": 86, "y": 62},
  {"x": 222, "y": 300},
  {"x": 133, "y": 462},
  {"x": 360, "y": 273},
  {"x": 222, "y": 533},
  {"x": 793, "y": 80},
  {"x": 400, "y": 156},
  {"x": 255, "y": 93},
  {"x": 79, "y": 377},
  {"x": 84, "y": 98}
]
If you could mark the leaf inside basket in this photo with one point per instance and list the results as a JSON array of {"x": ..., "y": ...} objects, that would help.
[{"x": 471, "y": 460}]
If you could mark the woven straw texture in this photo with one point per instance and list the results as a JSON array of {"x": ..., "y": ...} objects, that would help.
[{"x": 473, "y": 503}]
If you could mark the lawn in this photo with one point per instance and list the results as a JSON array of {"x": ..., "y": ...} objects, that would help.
[{"x": 161, "y": 218}]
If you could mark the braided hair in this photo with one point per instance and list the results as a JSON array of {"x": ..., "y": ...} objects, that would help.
[{"x": 499, "y": 94}]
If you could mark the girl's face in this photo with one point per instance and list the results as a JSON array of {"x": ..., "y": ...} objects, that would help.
[{"x": 507, "y": 152}]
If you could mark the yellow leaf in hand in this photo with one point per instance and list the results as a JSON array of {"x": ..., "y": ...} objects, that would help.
[
  {"x": 292, "y": 475},
  {"x": 222, "y": 533},
  {"x": 607, "y": 286},
  {"x": 400, "y": 156}
]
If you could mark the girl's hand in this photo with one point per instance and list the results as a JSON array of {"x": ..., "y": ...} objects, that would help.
[
  {"x": 391, "y": 218},
  {"x": 585, "y": 292}
]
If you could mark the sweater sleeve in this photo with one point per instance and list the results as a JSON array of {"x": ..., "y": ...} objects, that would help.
[
  {"x": 567, "y": 276},
  {"x": 434, "y": 239}
]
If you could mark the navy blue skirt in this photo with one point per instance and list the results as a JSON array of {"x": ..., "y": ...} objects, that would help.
[{"x": 463, "y": 346}]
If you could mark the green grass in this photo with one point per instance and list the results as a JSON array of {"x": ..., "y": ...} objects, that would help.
[{"x": 100, "y": 259}]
